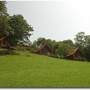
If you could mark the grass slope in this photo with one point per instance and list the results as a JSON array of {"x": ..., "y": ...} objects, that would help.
[{"x": 42, "y": 71}]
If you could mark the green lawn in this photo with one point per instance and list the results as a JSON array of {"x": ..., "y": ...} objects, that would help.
[{"x": 42, "y": 71}]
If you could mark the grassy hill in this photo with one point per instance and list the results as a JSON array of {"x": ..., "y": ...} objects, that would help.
[{"x": 31, "y": 70}]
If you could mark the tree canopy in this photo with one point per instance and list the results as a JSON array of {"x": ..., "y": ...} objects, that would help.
[
  {"x": 83, "y": 42},
  {"x": 15, "y": 28},
  {"x": 5, "y": 29},
  {"x": 21, "y": 29}
]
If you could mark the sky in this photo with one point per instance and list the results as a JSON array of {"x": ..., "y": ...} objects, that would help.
[{"x": 55, "y": 20}]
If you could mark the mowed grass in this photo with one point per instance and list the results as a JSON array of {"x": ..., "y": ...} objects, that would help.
[{"x": 35, "y": 71}]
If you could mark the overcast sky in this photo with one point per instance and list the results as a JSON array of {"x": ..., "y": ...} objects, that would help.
[{"x": 55, "y": 20}]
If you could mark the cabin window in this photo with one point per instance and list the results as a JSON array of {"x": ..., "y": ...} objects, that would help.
[
  {"x": 48, "y": 53},
  {"x": 79, "y": 56}
]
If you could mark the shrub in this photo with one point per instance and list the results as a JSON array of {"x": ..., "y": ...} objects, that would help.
[
  {"x": 32, "y": 50},
  {"x": 19, "y": 48},
  {"x": 61, "y": 56},
  {"x": 8, "y": 52},
  {"x": 13, "y": 53},
  {"x": 3, "y": 51}
]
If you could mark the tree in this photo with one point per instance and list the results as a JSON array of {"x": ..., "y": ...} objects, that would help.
[
  {"x": 41, "y": 41},
  {"x": 79, "y": 40},
  {"x": 63, "y": 49},
  {"x": 34, "y": 46},
  {"x": 83, "y": 42},
  {"x": 3, "y": 9},
  {"x": 5, "y": 29},
  {"x": 87, "y": 46},
  {"x": 22, "y": 30},
  {"x": 70, "y": 42}
]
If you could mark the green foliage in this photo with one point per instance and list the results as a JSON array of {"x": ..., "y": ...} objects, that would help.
[
  {"x": 14, "y": 28},
  {"x": 56, "y": 56},
  {"x": 79, "y": 40},
  {"x": 3, "y": 51},
  {"x": 61, "y": 48},
  {"x": 42, "y": 71},
  {"x": 83, "y": 42},
  {"x": 33, "y": 50},
  {"x": 6, "y": 52},
  {"x": 21, "y": 48},
  {"x": 41, "y": 41},
  {"x": 22, "y": 30},
  {"x": 64, "y": 49},
  {"x": 70, "y": 42},
  {"x": 3, "y": 9},
  {"x": 87, "y": 47},
  {"x": 5, "y": 29},
  {"x": 34, "y": 47},
  {"x": 59, "y": 56},
  {"x": 12, "y": 52}
]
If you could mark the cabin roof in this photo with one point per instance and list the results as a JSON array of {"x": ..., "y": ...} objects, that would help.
[
  {"x": 71, "y": 53},
  {"x": 1, "y": 38},
  {"x": 43, "y": 47}
]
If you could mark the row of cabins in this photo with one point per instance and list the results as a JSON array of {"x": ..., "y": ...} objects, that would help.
[
  {"x": 45, "y": 49},
  {"x": 76, "y": 54}
]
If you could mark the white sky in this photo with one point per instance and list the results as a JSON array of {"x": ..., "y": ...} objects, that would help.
[{"x": 55, "y": 20}]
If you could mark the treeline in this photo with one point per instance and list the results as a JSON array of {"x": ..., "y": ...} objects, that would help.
[{"x": 62, "y": 48}]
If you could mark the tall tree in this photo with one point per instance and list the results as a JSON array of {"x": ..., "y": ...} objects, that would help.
[
  {"x": 5, "y": 29},
  {"x": 79, "y": 40},
  {"x": 3, "y": 9},
  {"x": 22, "y": 30},
  {"x": 83, "y": 42},
  {"x": 87, "y": 46}
]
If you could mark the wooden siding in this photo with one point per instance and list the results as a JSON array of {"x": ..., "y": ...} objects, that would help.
[
  {"x": 3, "y": 43},
  {"x": 77, "y": 54},
  {"x": 45, "y": 50}
]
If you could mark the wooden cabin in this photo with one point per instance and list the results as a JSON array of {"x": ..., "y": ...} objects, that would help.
[
  {"x": 3, "y": 42},
  {"x": 45, "y": 50},
  {"x": 76, "y": 54}
]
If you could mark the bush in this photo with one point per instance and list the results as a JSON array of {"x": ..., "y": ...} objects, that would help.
[
  {"x": 32, "y": 50},
  {"x": 57, "y": 56},
  {"x": 6, "y": 52},
  {"x": 3, "y": 51},
  {"x": 61, "y": 56},
  {"x": 13, "y": 53},
  {"x": 19, "y": 48}
]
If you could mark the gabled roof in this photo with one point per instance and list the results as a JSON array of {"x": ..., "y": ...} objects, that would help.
[
  {"x": 43, "y": 47},
  {"x": 1, "y": 38},
  {"x": 71, "y": 53}
]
